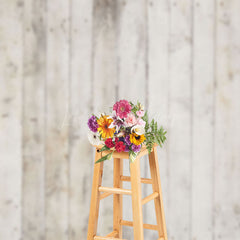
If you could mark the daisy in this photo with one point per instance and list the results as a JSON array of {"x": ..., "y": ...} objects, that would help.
[
  {"x": 94, "y": 138},
  {"x": 104, "y": 128}
]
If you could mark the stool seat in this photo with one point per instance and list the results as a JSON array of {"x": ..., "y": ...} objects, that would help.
[
  {"x": 124, "y": 155},
  {"x": 100, "y": 192}
]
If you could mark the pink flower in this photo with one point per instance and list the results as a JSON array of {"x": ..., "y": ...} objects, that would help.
[
  {"x": 141, "y": 122},
  {"x": 130, "y": 120},
  {"x": 122, "y": 108},
  {"x": 140, "y": 113}
]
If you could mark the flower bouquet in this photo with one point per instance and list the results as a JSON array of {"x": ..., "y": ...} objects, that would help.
[{"x": 125, "y": 129}]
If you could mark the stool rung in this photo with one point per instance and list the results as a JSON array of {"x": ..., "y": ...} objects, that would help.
[
  {"x": 112, "y": 234},
  {"x": 115, "y": 190},
  {"x": 147, "y": 226},
  {"x": 150, "y": 197},
  {"x": 143, "y": 180},
  {"x": 104, "y": 195},
  {"x": 107, "y": 238}
]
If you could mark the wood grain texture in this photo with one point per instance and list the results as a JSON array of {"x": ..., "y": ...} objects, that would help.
[
  {"x": 132, "y": 50},
  {"x": 57, "y": 133},
  {"x": 158, "y": 90},
  {"x": 202, "y": 117},
  {"x": 80, "y": 107},
  {"x": 227, "y": 117},
  {"x": 158, "y": 202},
  {"x": 117, "y": 199},
  {"x": 10, "y": 119},
  {"x": 34, "y": 78},
  {"x": 95, "y": 198},
  {"x": 180, "y": 109},
  {"x": 104, "y": 75},
  {"x": 62, "y": 60},
  {"x": 135, "y": 172}
]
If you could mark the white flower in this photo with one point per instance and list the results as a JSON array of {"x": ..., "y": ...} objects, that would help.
[
  {"x": 138, "y": 129},
  {"x": 94, "y": 138}
]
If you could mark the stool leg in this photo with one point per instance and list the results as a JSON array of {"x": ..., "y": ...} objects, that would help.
[
  {"x": 154, "y": 168},
  {"x": 117, "y": 198},
  {"x": 136, "y": 200},
  {"x": 95, "y": 198}
]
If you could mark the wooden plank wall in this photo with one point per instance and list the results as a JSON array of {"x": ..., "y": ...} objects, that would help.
[{"x": 61, "y": 60}]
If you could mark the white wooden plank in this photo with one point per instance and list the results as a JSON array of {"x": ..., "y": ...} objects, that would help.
[
  {"x": 104, "y": 54},
  {"x": 179, "y": 134},
  {"x": 81, "y": 160},
  {"x": 227, "y": 118},
  {"x": 10, "y": 119},
  {"x": 132, "y": 74},
  {"x": 203, "y": 89},
  {"x": 104, "y": 86},
  {"x": 132, "y": 51},
  {"x": 158, "y": 74},
  {"x": 57, "y": 85},
  {"x": 33, "y": 226}
]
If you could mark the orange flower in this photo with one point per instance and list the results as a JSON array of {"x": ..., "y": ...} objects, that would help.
[{"x": 104, "y": 122}]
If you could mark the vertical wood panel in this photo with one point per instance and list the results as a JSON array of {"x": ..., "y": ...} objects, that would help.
[
  {"x": 10, "y": 119},
  {"x": 104, "y": 54},
  {"x": 56, "y": 130},
  {"x": 179, "y": 134},
  {"x": 158, "y": 74},
  {"x": 132, "y": 71},
  {"x": 203, "y": 89},
  {"x": 81, "y": 160},
  {"x": 33, "y": 119},
  {"x": 227, "y": 117},
  {"x": 104, "y": 77},
  {"x": 132, "y": 50}
]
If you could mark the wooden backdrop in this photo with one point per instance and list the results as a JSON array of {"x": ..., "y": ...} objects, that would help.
[{"x": 60, "y": 60}]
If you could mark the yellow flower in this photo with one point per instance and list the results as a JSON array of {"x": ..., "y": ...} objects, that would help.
[
  {"x": 104, "y": 122},
  {"x": 137, "y": 139}
]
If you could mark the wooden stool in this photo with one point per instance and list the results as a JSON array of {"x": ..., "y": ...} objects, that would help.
[{"x": 99, "y": 193}]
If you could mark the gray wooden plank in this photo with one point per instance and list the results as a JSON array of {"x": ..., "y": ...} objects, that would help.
[
  {"x": 203, "y": 107},
  {"x": 227, "y": 117},
  {"x": 10, "y": 119},
  {"x": 158, "y": 81},
  {"x": 179, "y": 132},
  {"x": 132, "y": 75},
  {"x": 57, "y": 103},
  {"x": 81, "y": 159},
  {"x": 132, "y": 51},
  {"x": 104, "y": 76},
  {"x": 33, "y": 208}
]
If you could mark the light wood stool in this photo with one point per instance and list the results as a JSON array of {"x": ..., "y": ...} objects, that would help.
[{"x": 99, "y": 192}]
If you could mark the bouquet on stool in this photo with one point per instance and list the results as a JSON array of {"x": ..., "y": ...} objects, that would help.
[{"x": 125, "y": 129}]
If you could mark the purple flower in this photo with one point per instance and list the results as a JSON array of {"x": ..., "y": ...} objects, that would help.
[
  {"x": 127, "y": 140},
  {"x": 126, "y": 148},
  {"x": 92, "y": 124},
  {"x": 136, "y": 148}
]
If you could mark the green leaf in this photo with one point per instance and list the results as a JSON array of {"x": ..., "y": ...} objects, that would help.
[
  {"x": 132, "y": 156},
  {"x": 106, "y": 157},
  {"x": 104, "y": 148},
  {"x": 145, "y": 117}
]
